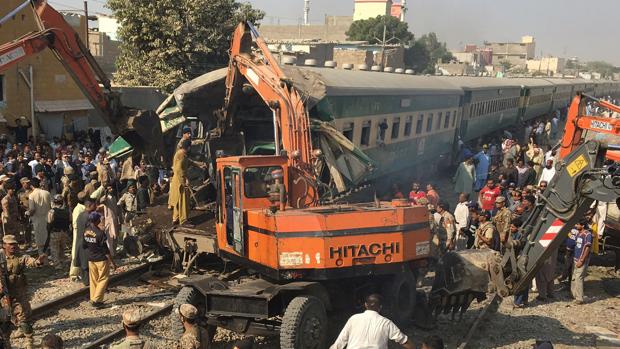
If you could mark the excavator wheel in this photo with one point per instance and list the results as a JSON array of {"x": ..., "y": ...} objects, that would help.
[
  {"x": 399, "y": 298},
  {"x": 191, "y": 296},
  {"x": 304, "y": 324}
]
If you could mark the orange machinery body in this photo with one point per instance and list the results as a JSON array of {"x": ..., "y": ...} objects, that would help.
[
  {"x": 578, "y": 122},
  {"x": 316, "y": 243}
]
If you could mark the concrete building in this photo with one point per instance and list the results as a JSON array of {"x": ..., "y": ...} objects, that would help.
[
  {"x": 516, "y": 53},
  {"x": 365, "y": 9},
  {"x": 456, "y": 68},
  {"x": 59, "y": 105},
  {"x": 333, "y": 29},
  {"x": 549, "y": 65},
  {"x": 105, "y": 50},
  {"x": 302, "y": 50}
]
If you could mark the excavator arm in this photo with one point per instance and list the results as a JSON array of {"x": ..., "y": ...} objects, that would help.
[
  {"x": 57, "y": 35},
  {"x": 582, "y": 177}
]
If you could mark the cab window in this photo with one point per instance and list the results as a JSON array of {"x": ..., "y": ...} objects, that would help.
[{"x": 256, "y": 179}]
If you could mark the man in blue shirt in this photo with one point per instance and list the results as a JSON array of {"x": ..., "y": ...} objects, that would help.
[
  {"x": 482, "y": 161},
  {"x": 583, "y": 244}
]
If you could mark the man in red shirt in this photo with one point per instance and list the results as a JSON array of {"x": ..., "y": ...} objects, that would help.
[
  {"x": 488, "y": 194},
  {"x": 432, "y": 195},
  {"x": 416, "y": 194}
]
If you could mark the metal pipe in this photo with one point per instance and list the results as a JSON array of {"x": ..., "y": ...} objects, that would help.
[{"x": 276, "y": 132}]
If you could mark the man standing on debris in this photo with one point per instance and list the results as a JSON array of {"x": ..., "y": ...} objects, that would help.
[
  {"x": 99, "y": 259},
  {"x": 179, "y": 190},
  {"x": 39, "y": 205},
  {"x": 370, "y": 330},
  {"x": 18, "y": 285},
  {"x": 131, "y": 324},
  {"x": 194, "y": 336}
]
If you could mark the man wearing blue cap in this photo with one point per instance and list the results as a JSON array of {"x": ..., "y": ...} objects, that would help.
[
  {"x": 99, "y": 258},
  {"x": 187, "y": 135}
]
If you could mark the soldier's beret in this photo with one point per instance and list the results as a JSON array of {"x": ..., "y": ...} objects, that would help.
[{"x": 9, "y": 239}]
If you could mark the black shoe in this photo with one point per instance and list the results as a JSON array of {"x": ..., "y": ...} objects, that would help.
[{"x": 99, "y": 305}]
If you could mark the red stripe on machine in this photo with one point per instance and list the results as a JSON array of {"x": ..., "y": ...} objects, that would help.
[{"x": 551, "y": 233}]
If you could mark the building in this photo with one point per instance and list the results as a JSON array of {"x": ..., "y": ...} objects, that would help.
[
  {"x": 104, "y": 50},
  {"x": 59, "y": 105},
  {"x": 365, "y": 9},
  {"x": 515, "y": 53},
  {"x": 456, "y": 68},
  {"x": 551, "y": 66},
  {"x": 333, "y": 29},
  {"x": 302, "y": 50}
]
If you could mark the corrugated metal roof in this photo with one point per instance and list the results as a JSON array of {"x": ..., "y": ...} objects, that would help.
[
  {"x": 62, "y": 105},
  {"x": 339, "y": 82},
  {"x": 474, "y": 83}
]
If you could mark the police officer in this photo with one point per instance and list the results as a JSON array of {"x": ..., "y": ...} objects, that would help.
[
  {"x": 502, "y": 219},
  {"x": 131, "y": 324},
  {"x": 15, "y": 265},
  {"x": 194, "y": 336}
]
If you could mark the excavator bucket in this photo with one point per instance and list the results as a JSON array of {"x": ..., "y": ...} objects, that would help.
[
  {"x": 461, "y": 277},
  {"x": 143, "y": 131}
]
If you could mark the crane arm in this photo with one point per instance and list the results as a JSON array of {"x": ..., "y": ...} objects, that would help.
[{"x": 140, "y": 128}]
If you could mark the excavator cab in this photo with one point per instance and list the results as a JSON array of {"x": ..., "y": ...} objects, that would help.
[{"x": 244, "y": 183}]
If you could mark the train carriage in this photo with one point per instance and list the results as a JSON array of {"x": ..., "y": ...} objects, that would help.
[
  {"x": 562, "y": 93},
  {"x": 489, "y": 105},
  {"x": 536, "y": 97},
  {"x": 398, "y": 120}
]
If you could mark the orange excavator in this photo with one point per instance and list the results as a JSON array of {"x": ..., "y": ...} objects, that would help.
[{"x": 140, "y": 128}]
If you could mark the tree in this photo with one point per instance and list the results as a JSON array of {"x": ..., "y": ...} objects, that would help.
[
  {"x": 167, "y": 42},
  {"x": 506, "y": 65},
  {"x": 425, "y": 53},
  {"x": 371, "y": 30},
  {"x": 603, "y": 68}
]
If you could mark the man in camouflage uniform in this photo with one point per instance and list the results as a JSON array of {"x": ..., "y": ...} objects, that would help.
[
  {"x": 10, "y": 212},
  {"x": 485, "y": 232},
  {"x": 22, "y": 197},
  {"x": 448, "y": 224},
  {"x": 502, "y": 220},
  {"x": 5, "y": 306},
  {"x": 131, "y": 324},
  {"x": 194, "y": 336},
  {"x": 18, "y": 285}
]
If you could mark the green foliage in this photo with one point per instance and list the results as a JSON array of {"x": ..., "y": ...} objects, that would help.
[
  {"x": 605, "y": 69},
  {"x": 371, "y": 30},
  {"x": 425, "y": 53},
  {"x": 506, "y": 65},
  {"x": 167, "y": 42}
]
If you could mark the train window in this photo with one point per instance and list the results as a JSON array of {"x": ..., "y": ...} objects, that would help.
[
  {"x": 454, "y": 119},
  {"x": 347, "y": 130},
  {"x": 419, "y": 124},
  {"x": 446, "y": 122},
  {"x": 365, "y": 133},
  {"x": 429, "y": 123},
  {"x": 395, "y": 128},
  {"x": 255, "y": 181},
  {"x": 408, "y": 125},
  {"x": 439, "y": 121}
]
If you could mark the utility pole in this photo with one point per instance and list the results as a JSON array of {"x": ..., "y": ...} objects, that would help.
[
  {"x": 29, "y": 80},
  {"x": 86, "y": 17},
  {"x": 383, "y": 45}
]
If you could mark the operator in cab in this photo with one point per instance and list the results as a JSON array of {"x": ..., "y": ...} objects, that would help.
[{"x": 371, "y": 330}]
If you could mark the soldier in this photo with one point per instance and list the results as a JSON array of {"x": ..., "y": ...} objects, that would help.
[
  {"x": 485, "y": 234},
  {"x": 5, "y": 307},
  {"x": 104, "y": 172},
  {"x": 59, "y": 222},
  {"x": 22, "y": 200},
  {"x": 131, "y": 324},
  {"x": 10, "y": 212},
  {"x": 448, "y": 224},
  {"x": 91, "y": 186},
  {"x": 502, "y": 219},
  {"x": 194, "y": 336},
  {"x": 52, "y": 341},
  {"x": 18, "y": 285},
  {"x": 70, "y": 190}
]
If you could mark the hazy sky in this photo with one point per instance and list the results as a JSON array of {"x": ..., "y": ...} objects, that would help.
[{"x": 566, "y": 28}]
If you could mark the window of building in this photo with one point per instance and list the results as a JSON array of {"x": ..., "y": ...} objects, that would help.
[
  {"x": 440, "y": 115},
  {"x": 408, "y": 125},
  {"x": 419, "y": 124},
  {"x": 395, "y": 128},
  {"x": 454, "y": 119},
  {"x": 347, "y": 130},
  {"x": 429, "y": 123},
  {"x": 365, "y": 133},
  {"x": 446, "y": 121}
]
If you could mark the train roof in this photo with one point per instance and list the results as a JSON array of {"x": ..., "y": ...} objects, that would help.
[
  {"x": 531, "y": 82},
  {"x": 560, "y": 81},
  {"x": 321, "y": 82},
  {"x": 479, "y": 83}
]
